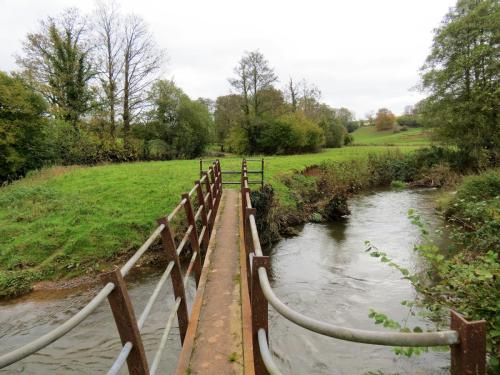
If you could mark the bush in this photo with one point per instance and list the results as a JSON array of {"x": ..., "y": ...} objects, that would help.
[{"x": 290, "y": 133}]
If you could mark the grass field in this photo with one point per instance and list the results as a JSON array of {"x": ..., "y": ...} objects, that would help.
[
  {"x": 65, "y": 221},
  {"x": 370, "y": 136}
]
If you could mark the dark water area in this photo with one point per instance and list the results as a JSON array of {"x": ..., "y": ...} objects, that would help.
[
  {"x": 92, "y": 346},
  {"x": 325, "y": 273}
]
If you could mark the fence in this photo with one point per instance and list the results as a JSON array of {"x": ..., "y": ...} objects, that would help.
[
  {"x": 199, "y": 214},
  {"x": 466, "y": 339},
  {"x": 238, "y": 173}
]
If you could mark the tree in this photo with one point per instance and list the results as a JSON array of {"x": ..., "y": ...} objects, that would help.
[
  {"x": 461, "y": 76},
  {"x": 57, "y": 64},
  {"x": 253, "y": 77},
  {"x": 227, "y": 116},
  {"x": 179, "y": 122},
  {"x": 385, "y": 119},
  {"x": 109, "y": 56},
  {"x": 141, "y": 61},
  {"x": 22, "y": 123}
]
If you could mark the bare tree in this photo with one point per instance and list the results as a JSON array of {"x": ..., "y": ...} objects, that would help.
[
  {"x": 142, "y": 59},
  {"x": 109, "y": 54}
]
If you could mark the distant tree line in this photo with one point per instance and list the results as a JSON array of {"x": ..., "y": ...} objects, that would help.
[{"x": 258, "y": 117}]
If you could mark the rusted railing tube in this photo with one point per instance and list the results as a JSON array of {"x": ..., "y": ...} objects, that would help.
[{"x": 351, "y": 334}]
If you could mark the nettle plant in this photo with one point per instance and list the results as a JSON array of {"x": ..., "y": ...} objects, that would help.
[{"x": 466, "y": 282}]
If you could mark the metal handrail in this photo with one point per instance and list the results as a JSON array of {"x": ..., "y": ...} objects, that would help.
[
  {"x": 120, "y": 360},
  {"x": 438, "y": 338},
  {"x": 163, "y": 341}
]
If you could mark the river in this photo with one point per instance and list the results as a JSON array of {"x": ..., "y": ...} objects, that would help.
[{"x": 323, "y": 272}]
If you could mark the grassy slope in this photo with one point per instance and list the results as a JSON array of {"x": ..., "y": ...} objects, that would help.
[
  {"x": 370, "y": 136},
  {"x": 62, "y": 218}
]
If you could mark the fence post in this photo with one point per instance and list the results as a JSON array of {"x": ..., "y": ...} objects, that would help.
[
  {"x": 215, "y": 191},
  {"x": 201, "y": 167},
  {"x": 168, "y": 243},
  {"x": 126, "y": 323},
  {"x": 259, "y": 311},
  {"x": 219, "y": 173},
  {"x": 262, "y": 171},
  {"x": 195, "y": 245},
  {"x": 204, "y": 219},
  {"x": 469, "y": 356},
  {"x": 211, "y": 219}
]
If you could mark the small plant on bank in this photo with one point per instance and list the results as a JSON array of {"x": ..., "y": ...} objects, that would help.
[{"x": 463, "y": 281}]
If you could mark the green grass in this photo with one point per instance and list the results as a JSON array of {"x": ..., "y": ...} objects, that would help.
[
  {"x": 66, "y": 221},
  {"x": 370, "y": 136}
]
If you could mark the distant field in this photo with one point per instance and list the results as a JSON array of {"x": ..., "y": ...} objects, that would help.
[
  {"x": 65, "y": 221},
  {"x": 370, "y": 136}
]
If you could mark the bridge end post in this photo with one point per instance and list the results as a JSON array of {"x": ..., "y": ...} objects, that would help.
[
  {"x": 259, "y": 312},
  {"x": 469, "y": 356}
]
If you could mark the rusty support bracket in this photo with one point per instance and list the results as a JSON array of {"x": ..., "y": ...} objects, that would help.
[
  {"x": 126, "y": 323},
  {"x": 169, "y": 247},
  {"x": 259, "y": 311},
  {"x": 469, "y": 356},
  {"x": 193, "y": 237}
]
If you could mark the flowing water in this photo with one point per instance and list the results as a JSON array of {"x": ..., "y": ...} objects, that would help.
[
  {"x": 92, "y": 346},
  {"x": 323, "y": 272}
]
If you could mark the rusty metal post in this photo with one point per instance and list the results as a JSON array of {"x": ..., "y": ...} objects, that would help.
[
  {"x": 204, "y": 211},
  {"x": 259, "y": 312},
  {"x": 219, "y": 173},
  {"x": 193, "y": 237},
  {"x": 126, "y": 323},
  {"x": 168, "y": 243},
  {"x": 469, "y": 356},
  {"x": 210, "y": 201},
  {"x": 215, "y": 191}
]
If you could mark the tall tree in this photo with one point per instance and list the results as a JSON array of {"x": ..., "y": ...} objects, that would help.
[
  {"x": 253, "y": 77},
  {"x": 141, "y": 61},
  {"x": 461, "y": 75},
  {"x": 57, "y": 64},
  {"x": 227, "y": 116},
  {"x": 109, "y": 56},
  {"x": 385, "y": 119}
]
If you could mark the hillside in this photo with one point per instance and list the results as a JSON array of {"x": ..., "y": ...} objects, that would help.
[{"x": 368, "y": 135}]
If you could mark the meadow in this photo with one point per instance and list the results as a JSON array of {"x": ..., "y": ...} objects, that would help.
[
  {"x": 368, "y": 135},
  {"x": 68, "y": 221}
]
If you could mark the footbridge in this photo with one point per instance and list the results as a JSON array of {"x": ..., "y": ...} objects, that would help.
[{"x": 224, "y": 330}]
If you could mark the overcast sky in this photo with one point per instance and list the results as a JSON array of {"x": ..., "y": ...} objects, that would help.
[{"x": 362, "y": 54}]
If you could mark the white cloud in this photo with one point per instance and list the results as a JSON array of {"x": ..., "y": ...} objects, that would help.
[{"x": 361, "y": 54}]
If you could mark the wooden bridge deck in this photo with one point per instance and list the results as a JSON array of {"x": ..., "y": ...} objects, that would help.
[{"x": 219, "y": 333}]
